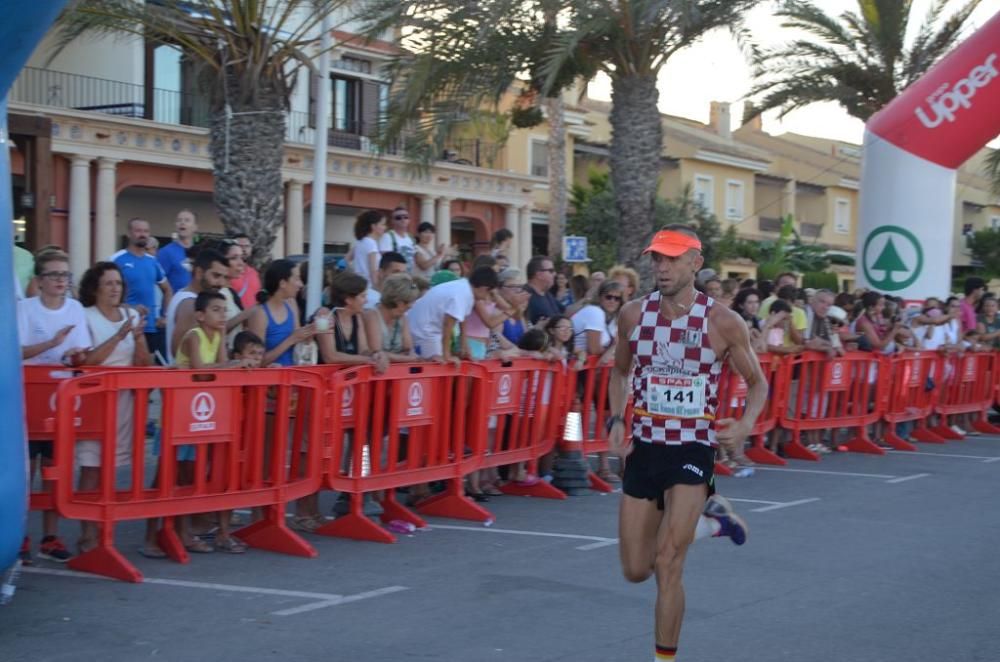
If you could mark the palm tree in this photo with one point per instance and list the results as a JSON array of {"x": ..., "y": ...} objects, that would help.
[
  {"x": 860, "y": 59},
  {"x": 246, "y": 54},
  {"x": 992, "y": 168},
  {"x": 464, "y": 53}
]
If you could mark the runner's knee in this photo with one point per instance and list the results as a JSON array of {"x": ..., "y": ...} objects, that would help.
[{"x": 669, "y": 563}]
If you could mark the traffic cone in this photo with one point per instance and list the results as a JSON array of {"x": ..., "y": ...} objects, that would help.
[{"x": 571, "y": 469}]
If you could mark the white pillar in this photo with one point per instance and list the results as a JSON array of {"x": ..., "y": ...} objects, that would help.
[
  {"x": 79, "y": 215},
  {"x": 293, "y": 217},
  {"x": 105, "y": 216},
  {"x": 523, "y": 236},
  {"x": 510, "y": 222},
  {"x": 444, "y": 221},
  {"x": 278, "y": 248},
  {"x": 427, "y": 203}
]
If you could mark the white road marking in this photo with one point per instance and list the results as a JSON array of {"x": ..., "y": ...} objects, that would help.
[
  {"x": 987, "y": 458},
  {"x": 903, "y": 479},
  {"x": 828, "y": 473},
  {"x": 992, "y": 459},
  {"x": 344, "y": 600},
  {"x": 598, "y": 541},
  {"x": 324, "y": 599},
  {"x": 779, "y": 506}
]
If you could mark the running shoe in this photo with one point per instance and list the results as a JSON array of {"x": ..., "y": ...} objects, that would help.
[
  {"x": 53, "y": 549},
  {"x": 734, "y": 528}
]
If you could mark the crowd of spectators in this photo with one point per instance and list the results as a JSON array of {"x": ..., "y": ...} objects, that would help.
[{"x": 401, "y": 298}]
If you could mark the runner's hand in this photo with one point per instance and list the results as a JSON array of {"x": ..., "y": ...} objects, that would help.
[
  {"x": 617, "y": 445},
  {"x": 731, "y": 434}
]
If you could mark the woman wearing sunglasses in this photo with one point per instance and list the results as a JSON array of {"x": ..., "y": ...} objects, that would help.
[{"x": 595, "y": 327}]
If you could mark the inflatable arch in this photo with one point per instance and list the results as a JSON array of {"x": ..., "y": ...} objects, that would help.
[
  {"x": 24, "y": 25},
  {"x": 912, "y": 150}
]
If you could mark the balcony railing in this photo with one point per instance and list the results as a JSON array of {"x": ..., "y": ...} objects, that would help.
[{"x": 45, "y": 87}]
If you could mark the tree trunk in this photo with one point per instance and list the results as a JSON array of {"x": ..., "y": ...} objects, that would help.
[
  {"x": 247, "y": 151},
  {"x": 636, "y": 144},
  {"x": 558, "y": 193}
]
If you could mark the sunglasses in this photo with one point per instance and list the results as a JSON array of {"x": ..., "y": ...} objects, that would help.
[
  {"x": 612, "y": 297},
  {"x": 400, "y": 218}
]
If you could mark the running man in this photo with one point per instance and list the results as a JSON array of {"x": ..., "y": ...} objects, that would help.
[{"x": 678, "y": 339}]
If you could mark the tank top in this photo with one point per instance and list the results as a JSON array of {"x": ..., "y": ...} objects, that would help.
[
  {"x": 276, "y": 334},
  {"x": 344, "y": 344},
  {"x": 208, "y": 348},
  {"x": 675, "y": 376},
  {"x": 392, "y": 339}
]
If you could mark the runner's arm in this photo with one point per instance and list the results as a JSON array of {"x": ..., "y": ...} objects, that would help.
[
  {"x": 744, "y": 360},
  {"x": 618, "y": 386}
]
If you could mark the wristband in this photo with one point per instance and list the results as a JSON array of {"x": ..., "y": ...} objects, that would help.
[{"x": 612, "y": 421}]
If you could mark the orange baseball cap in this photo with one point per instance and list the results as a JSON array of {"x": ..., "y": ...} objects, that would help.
[{"x": 672, "y": 243}]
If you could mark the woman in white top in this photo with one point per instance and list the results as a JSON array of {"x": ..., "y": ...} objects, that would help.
[
  {"x": 595, "y": 326},
  {"x": 368, "y": 229},
  {"x": 427, "y": 259},
  {"x": 236, "y": 316},
  {"x": 117, "y": 333}
]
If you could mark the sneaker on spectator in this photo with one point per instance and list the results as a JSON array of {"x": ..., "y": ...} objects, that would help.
[
  {"x": 743, "y": 472},
  {"x": 53, "y": 549},
  {"x": 24, "y": 555},
  {"x": 958, "y": 430}
]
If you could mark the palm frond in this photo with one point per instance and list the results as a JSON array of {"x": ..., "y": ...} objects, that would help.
[{"x": 991, "y": 168}]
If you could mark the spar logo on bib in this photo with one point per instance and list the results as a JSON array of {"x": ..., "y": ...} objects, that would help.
[
  {"x": 202, "y": 410},
  {"x": 892, "y": 258}
]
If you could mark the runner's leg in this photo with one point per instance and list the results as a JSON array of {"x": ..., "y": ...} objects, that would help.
[
  {"x": 638, "y": 522},
  {"x": 683, "y": 508}
]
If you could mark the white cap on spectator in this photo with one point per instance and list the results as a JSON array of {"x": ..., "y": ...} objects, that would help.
[{"x": 837, "y": 313}]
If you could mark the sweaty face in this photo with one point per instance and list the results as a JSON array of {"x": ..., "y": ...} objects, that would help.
[{"x": 676, "y": 274}]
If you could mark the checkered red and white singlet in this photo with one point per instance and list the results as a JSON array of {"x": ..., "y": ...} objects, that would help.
[{"x": 662, "y": 348}]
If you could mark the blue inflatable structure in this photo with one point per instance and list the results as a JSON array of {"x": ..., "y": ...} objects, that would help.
[{"x": 24, "y": 24}]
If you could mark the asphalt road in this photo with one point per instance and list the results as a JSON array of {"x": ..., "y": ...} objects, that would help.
[{"x": 860, "y": 558}]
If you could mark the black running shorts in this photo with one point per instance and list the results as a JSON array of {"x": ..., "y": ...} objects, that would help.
[{"x": 652, "y": 469}]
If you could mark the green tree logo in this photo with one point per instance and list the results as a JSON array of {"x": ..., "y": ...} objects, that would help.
[{"x": 879, "y": 272}]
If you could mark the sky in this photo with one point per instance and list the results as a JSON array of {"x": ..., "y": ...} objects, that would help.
[{"x": 715, "y": 69}]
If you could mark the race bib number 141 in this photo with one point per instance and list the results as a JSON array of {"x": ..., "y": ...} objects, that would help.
[{"x": 677, "y": 397}]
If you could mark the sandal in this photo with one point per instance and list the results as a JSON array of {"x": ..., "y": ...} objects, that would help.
[
  {"x": 491, "y": 490},
  {"x": 304, "y": 523},
  {"x": 152, "y": 553},
  {"x": 199, "y": 546},
  {"x": 230, "y": 545}
]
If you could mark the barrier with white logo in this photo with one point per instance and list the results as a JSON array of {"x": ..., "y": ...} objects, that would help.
[
  {"x": 401, "y": 428},
  {"x": 243, "y": 428}
]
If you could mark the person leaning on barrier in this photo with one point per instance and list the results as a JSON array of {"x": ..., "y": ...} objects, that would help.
[
  {"x": 436, "y": 315},
  {"x": 386, "y": 325},
  {"x": 819, "y": 335}
]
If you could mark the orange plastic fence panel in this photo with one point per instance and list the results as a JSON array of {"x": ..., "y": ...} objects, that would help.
[
  {"x": 524, "y": 411},
  {"x": 401, "y": 428},
  {"x": 968, "y": 386},
  {"x": 733, "y": 400},
  {"x": 226, "y": 442},
  {"x": 910, "y": 393},
  {"x": 40, "y": 385},
  {"x": 591, "y": 391},
  {"x": 824, "y": 393}
]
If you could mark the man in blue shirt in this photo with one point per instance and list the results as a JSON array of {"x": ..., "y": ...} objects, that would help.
[
  {"x": 142, "y": 275},
  {"x": 173, "y": 257}
]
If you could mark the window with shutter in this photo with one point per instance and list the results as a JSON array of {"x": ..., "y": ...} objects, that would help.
[
  {"x": 842, "y": 216},
  {"x": 734, "y": 200},
  {"x": 704, "y": 192}
]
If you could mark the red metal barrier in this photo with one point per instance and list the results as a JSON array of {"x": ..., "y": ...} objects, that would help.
[
  {"x": 524, "y": 412},
  {"x": 405, "y": 427},
  {"x": 967, "y": 386},
  {"x": 733, "y": 402},
  {"x": 244, "y": 455},
  {"x": 829, "y": 394},
  {"x": 910, "y": 395}
]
